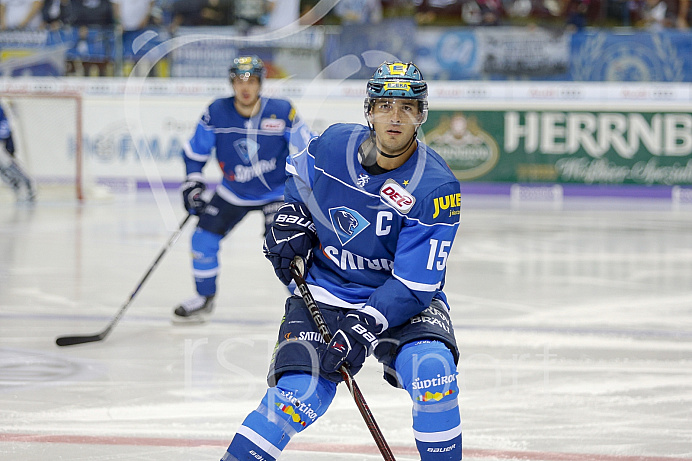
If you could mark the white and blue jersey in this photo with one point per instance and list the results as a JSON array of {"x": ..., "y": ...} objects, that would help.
[
  {"x": 251, "y": 152},
  {"x": 383, "y": 239}
]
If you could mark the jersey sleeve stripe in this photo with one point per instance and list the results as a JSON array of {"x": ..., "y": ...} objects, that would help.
[
  {"x": 416, "y": 286},
  {"x": 381, "y": 319},
  {"x": 189, "y": 153},
  {"x": 322, "y": 295},
  {"x": 226, "y": 194},
  {"x": 195, "y": 177}
]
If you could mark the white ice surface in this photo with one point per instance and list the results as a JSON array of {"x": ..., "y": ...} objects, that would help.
[{"x": 574, "y": 325}]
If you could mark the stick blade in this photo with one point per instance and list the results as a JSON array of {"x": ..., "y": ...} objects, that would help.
[{"x": 72, "y": 340}]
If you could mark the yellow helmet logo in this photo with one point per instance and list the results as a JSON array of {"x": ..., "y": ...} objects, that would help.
[
  {"x": 398, "y": 68},
  {"x": 397, "y": 86},
  {"x": 245, "y": 63}
]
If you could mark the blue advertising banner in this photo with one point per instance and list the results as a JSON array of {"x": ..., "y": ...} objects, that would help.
[
  {"x": 495, "y": 53},
  {"x": 639, "y": 57},
  {"x": 513, "y": 53}
]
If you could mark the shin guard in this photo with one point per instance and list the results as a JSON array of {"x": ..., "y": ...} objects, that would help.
[
  {"x": 286, "y": 409},
  {"x": 428, "y": 373},
  {"x": 205, "y": 262}
]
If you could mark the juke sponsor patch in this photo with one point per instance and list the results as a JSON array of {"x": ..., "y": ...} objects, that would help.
[{"x": 450, "y": 202}]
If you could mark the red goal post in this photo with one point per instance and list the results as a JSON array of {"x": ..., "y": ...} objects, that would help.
[{"x": 47, "y": 129}]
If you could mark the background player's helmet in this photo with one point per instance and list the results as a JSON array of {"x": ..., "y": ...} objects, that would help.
[
  {"x": 247, "y": 66},
  {"x": 397, "y": 80}
]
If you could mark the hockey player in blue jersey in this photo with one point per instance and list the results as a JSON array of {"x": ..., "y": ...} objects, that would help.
[
  {"x": 250, "y": 136},
  {"x": 373, "y": 211},
  {"x": 10, "y": 171}
]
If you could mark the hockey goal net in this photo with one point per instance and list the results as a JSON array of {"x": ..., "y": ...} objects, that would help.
[{"x": 47, "y": 132}]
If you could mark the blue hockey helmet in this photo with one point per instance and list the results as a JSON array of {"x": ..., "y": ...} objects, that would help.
[
  {"x": 397, "y": 80},
  {"x": 246, "y": 66}
]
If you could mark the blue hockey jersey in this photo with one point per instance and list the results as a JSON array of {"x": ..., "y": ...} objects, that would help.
[
  {"x": 251, "y": 152},
  {"x": 4, "y": 125},
  {"x": 383, "y": 239}
]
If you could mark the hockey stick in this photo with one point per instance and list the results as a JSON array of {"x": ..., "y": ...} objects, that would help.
[
  {"x": 296, "y": 271},
  {"x": 72, "y": 340}
]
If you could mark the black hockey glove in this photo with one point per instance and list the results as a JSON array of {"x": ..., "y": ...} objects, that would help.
[
  {"x": 291, "y": 234},
  {"x": 355, "y": 340},
  {"x": 192, "y": 196}
]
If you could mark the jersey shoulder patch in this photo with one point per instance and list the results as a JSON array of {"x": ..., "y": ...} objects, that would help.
[{"x": 397, "y": 196}]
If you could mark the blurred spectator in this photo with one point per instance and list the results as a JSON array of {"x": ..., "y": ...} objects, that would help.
[
  {"x": 202, "y": 13},
  {"x": 132, "y": 17},
  {"x": 682, "y": 20},
  {"x": 577, "y": 13},
  {"x": 282, "y": 13},
  {"x": 249, "y": 12},
  {"x": 399, "y": 7},
  {"x": 93, "y": 50},
  {"x": 56, "y": 13},
  {"x": 93, "y": 13},
  {"x": 20, "y": 14},
  {"x": 520, "y": 9},
  {"x": 162, "y": 12},
  {"x": 534, "y": 10},
  {"x": 359, "y": 11},
  {"x": 308, "y": 17},
  {"x": 438, "y": 11},
  {"x": 652, "y": 15},
  {"x": 492, "y": 12}
]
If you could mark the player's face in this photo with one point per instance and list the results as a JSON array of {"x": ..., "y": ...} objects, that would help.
[
  {"x": 246, "y": 89},
  {"x": 395, "y": 122}
]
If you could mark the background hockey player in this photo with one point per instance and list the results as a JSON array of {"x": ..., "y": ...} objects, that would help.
[
  {"x": 10, "y": 171},
  {"x": 250, "y": 136},
  {"x": 376, "y": 211}
]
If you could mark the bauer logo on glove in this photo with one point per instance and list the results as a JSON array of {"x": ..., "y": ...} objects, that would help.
[
  {"x": 355, "y": 340},
  {"x": 292, "y": 234}
]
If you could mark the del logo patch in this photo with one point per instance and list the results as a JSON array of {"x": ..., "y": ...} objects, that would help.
[
  {"x": 347, "y": 223},
  {"x": 394, "y": 194},
  {"x": 272, "y": 124}
]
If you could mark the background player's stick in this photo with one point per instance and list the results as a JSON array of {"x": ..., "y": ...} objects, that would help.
[
  {"x": 297, "y": 273},
  {"x": 72, "y": 340}
]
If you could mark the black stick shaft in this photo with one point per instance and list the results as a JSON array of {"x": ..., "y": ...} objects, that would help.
[
  {"x": 353, "y": 388},
  {"x": 72, "y": 340}
]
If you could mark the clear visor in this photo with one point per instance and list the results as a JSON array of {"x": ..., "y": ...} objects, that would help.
[
  {"x": 397, "y": 111},
  {"x": 244, "y": 76}
]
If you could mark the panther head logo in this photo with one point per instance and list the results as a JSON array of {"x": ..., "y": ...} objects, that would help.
[{"x": 346, "y": 221}]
